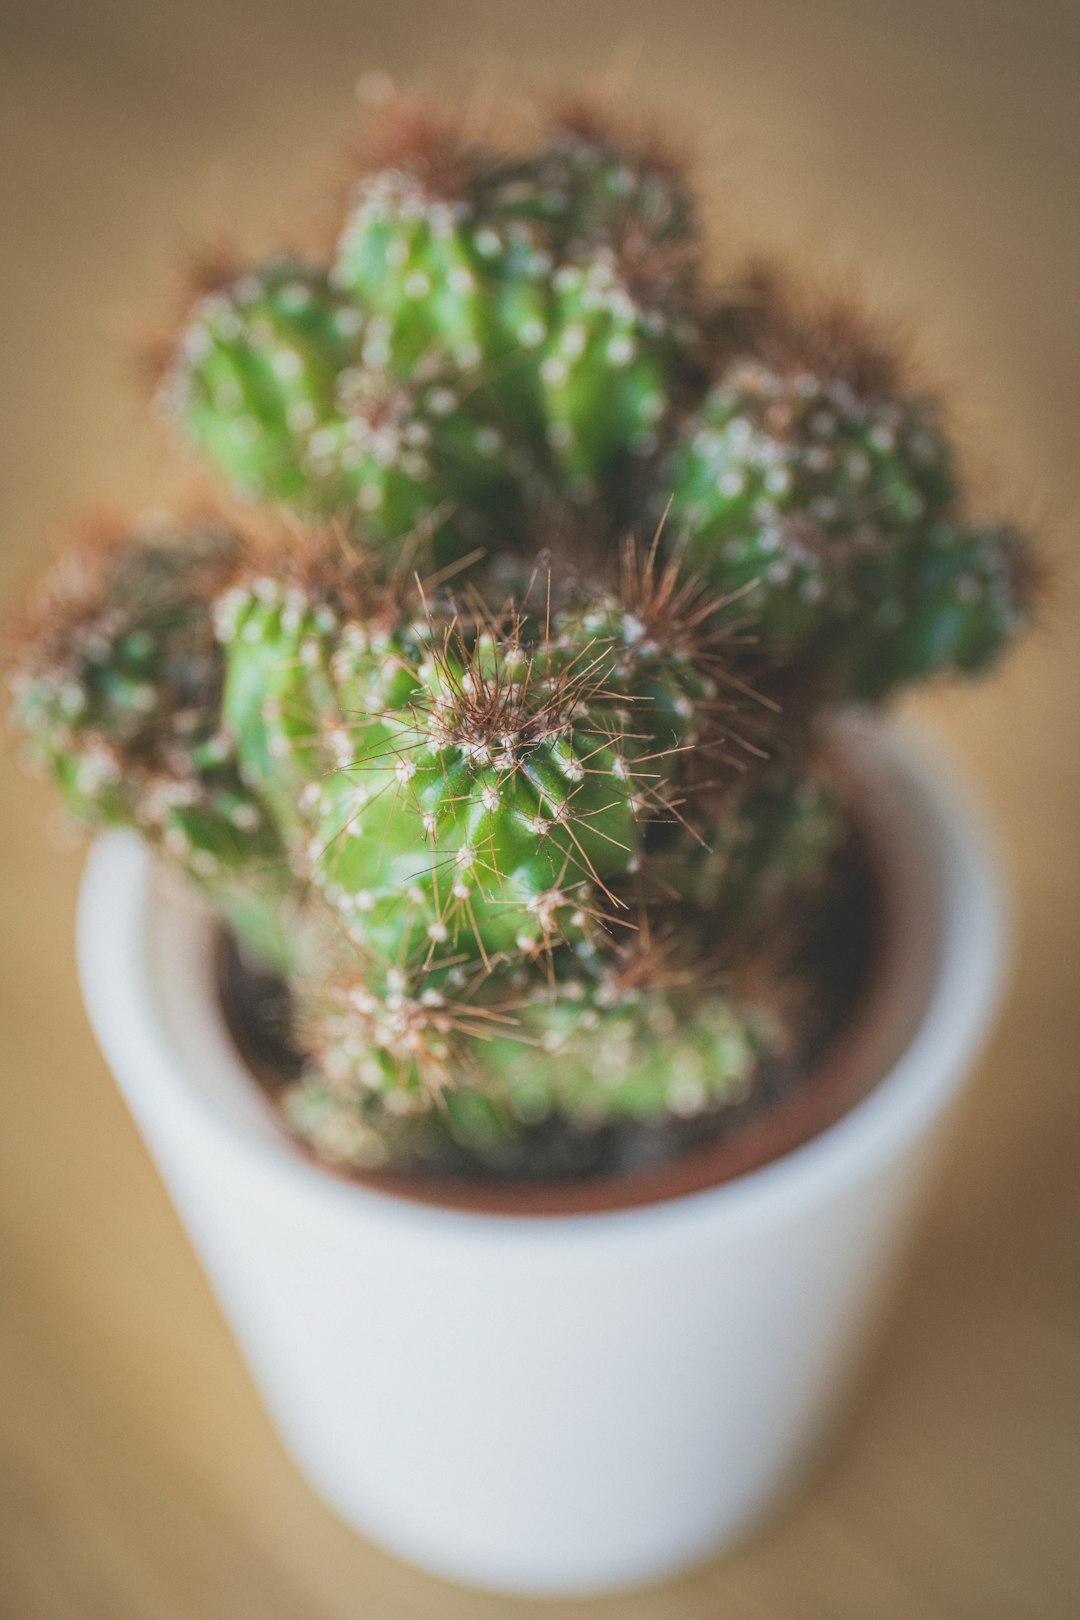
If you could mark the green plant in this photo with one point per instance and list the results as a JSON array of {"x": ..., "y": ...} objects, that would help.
[{"x": 512, "y": 801}]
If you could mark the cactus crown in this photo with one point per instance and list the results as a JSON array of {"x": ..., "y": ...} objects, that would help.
[{"x": 515, "y": 832}]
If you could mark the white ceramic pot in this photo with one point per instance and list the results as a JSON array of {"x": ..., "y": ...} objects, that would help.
[{"x": 571, "y": 1403}]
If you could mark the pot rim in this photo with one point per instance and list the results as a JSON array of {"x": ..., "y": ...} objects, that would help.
[{"x": 947, "y": 882}]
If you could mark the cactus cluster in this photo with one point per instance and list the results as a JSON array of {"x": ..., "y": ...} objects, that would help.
[{"x": 494, "y": 724}]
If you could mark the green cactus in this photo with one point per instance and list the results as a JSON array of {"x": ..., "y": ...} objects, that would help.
[
  {"x": 970, "y": 594},
  {"x": 256, "y": 379},
  {"x": 117, "y": 695},
  {"x": 609, "y": 1053},
  {"x": 121, "y": 670},
  {"x": 621, "y": 323},
  {"x": 766, "y": 844},
  {"x": 605, "y": 370},
  {"x": 638, "y": 1063},
  {"x": 282, "y": 384},
  {"x": 446, "y": 807},
  {"x": 479, "y": 319},
  {"x": 411, "y": 258},
  {"x": 421, "y": 1070},
  {"x": 468, "y": 786},
  {"x": 465, "y": 783},
  {"x": 593, "y": 183},
  {"x": 276, "y": 645},
  {"x": 792, "y": 488}
]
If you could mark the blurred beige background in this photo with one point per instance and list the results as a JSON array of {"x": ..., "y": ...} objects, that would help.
[{"x": 937, "y": 142}]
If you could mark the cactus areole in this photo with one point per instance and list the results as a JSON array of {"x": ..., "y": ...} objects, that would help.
[{"x": 494, "y": 725}]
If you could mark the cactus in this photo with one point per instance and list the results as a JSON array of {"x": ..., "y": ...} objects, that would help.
[
  {"x": 606, "y": 369},
  {"x": 255, "y": 382},
  {"x": 518, "y": 806},
  {"x": 410, "y": 1076},
  {"x": 118, "y": 686},
  {"x": 770, "y": 839},
  {"x": 117, "y": 694},
  {"x": 458, "y": 783},
  {"x": 280, "y": 382},
  {"x": 486, "y": 327},
  {"x": 810, "y": 480},
  {"x": 971, "y": 593}
]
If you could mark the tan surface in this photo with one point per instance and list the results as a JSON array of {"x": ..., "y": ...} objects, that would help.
[{"x": 939, "y": 140}]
